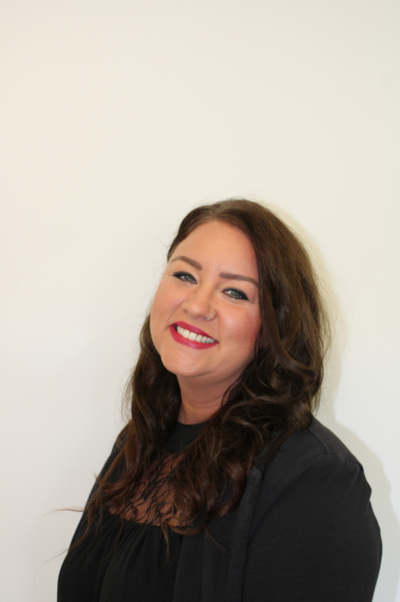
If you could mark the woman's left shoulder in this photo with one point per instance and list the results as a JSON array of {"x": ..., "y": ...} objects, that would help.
[
  {"x": 315, "y": 459},
  {"x": 317, "y": 441},
  {"x": 316, "y": 444},
  {"x": 312, "y": 504}
]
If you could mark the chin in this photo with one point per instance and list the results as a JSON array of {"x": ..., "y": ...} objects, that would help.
[
  {"x": 179, "y": 368},
  {"x": 181, "y": 372}
]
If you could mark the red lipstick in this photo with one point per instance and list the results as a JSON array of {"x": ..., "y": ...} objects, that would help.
[
  {"x": 193, "y": 344},
  {"x": 193, "y": 329}
]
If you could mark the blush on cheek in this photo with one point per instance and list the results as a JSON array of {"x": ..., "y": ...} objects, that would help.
[{"x": 153, "y": 332}]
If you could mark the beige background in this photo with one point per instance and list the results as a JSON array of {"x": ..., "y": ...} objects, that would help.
[{"x": 117, "y": 118}]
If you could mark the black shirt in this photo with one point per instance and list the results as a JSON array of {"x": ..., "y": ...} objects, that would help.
[
  {"x": 124, "y": 560},
  {"x": 304, "y": 531}
]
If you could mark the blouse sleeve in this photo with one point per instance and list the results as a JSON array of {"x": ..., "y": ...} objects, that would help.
[
  {"x": 315, "y": 538},
  {"x": 83, "y": 521}
]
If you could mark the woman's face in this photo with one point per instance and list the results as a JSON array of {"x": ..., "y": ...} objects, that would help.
[{"x": 213, "y": 270}]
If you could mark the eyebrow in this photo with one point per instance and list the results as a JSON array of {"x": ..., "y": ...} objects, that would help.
[
  {"x": 226, "y": 275},
  {"x": 192, "y": 262},
  {"x": 229, "y": 276}
]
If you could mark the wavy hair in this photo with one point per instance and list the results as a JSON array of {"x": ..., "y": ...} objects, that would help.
[{"x": 276, "y": 394}]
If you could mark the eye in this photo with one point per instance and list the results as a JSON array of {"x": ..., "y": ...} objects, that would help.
[
  {"x": 184, "y": 276},
  {"x": 234, "y": 293}
]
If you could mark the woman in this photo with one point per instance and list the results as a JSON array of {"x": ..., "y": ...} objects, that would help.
[{"x": 223, "y": 487}]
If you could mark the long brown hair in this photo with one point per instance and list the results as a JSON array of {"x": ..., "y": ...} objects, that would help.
[{"x": 275, "y": 395}]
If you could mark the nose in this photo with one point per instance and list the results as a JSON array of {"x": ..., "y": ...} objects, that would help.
[{"x": 199, "y": 303}]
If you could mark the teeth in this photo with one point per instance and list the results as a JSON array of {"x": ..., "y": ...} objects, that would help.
[{"x": 192, "y": 336}]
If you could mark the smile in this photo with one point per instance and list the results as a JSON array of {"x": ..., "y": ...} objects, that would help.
[{"x": 191, "y": 336}]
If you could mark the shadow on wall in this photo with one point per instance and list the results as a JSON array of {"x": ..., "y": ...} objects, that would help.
[
  {"x": 388, "y": 580},
  {"x": 390, "y": 529}
]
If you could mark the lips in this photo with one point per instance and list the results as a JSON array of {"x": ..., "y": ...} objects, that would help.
[
  {"x": 184, "y": 341},
  {"x": 193, "y": 329}
]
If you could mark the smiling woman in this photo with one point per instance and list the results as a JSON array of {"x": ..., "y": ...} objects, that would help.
[
  {"x": 223, "y": 486},
  {"x": 220, "y": 259}
]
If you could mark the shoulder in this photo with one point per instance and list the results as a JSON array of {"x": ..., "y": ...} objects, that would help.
[
  {"x": 313, "y": 529},
  {"x": 302, "y": 448},
  {"x": 317, "y": 440},
  {"x": 313, "y": 464}
]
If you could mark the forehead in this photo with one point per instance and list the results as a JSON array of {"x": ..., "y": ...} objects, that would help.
[{"x": 219, "y": 242}]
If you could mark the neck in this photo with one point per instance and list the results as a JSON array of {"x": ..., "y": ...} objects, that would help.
[{"x": 198, "y": 403}]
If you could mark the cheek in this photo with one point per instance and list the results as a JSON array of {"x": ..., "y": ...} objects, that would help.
[
  {"x": 160, "y": 302},
  {"x": 247, "y": 322},
  {"x": 156, "y": 316},
  {"x": 250, "y": 331},
  {"x": 164, "y": 304},
  {"x": 153, "y": 329}
]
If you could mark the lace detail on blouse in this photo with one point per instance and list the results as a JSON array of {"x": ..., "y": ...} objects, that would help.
[{"x": 152, "y": 501}]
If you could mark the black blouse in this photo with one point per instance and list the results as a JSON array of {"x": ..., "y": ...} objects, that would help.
[{"x": 124, "y": 560}]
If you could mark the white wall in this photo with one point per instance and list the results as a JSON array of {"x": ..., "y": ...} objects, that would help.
[{"x": 117, "y": 118}]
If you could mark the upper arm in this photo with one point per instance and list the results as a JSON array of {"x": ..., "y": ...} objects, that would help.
[{"x": 316, "y": 538}]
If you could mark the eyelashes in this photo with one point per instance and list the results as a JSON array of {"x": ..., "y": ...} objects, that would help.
[
  {"x": 237, "y": 294},
  {"x": 185, "y": 276},
  {"x": 233, "y": 293}
]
